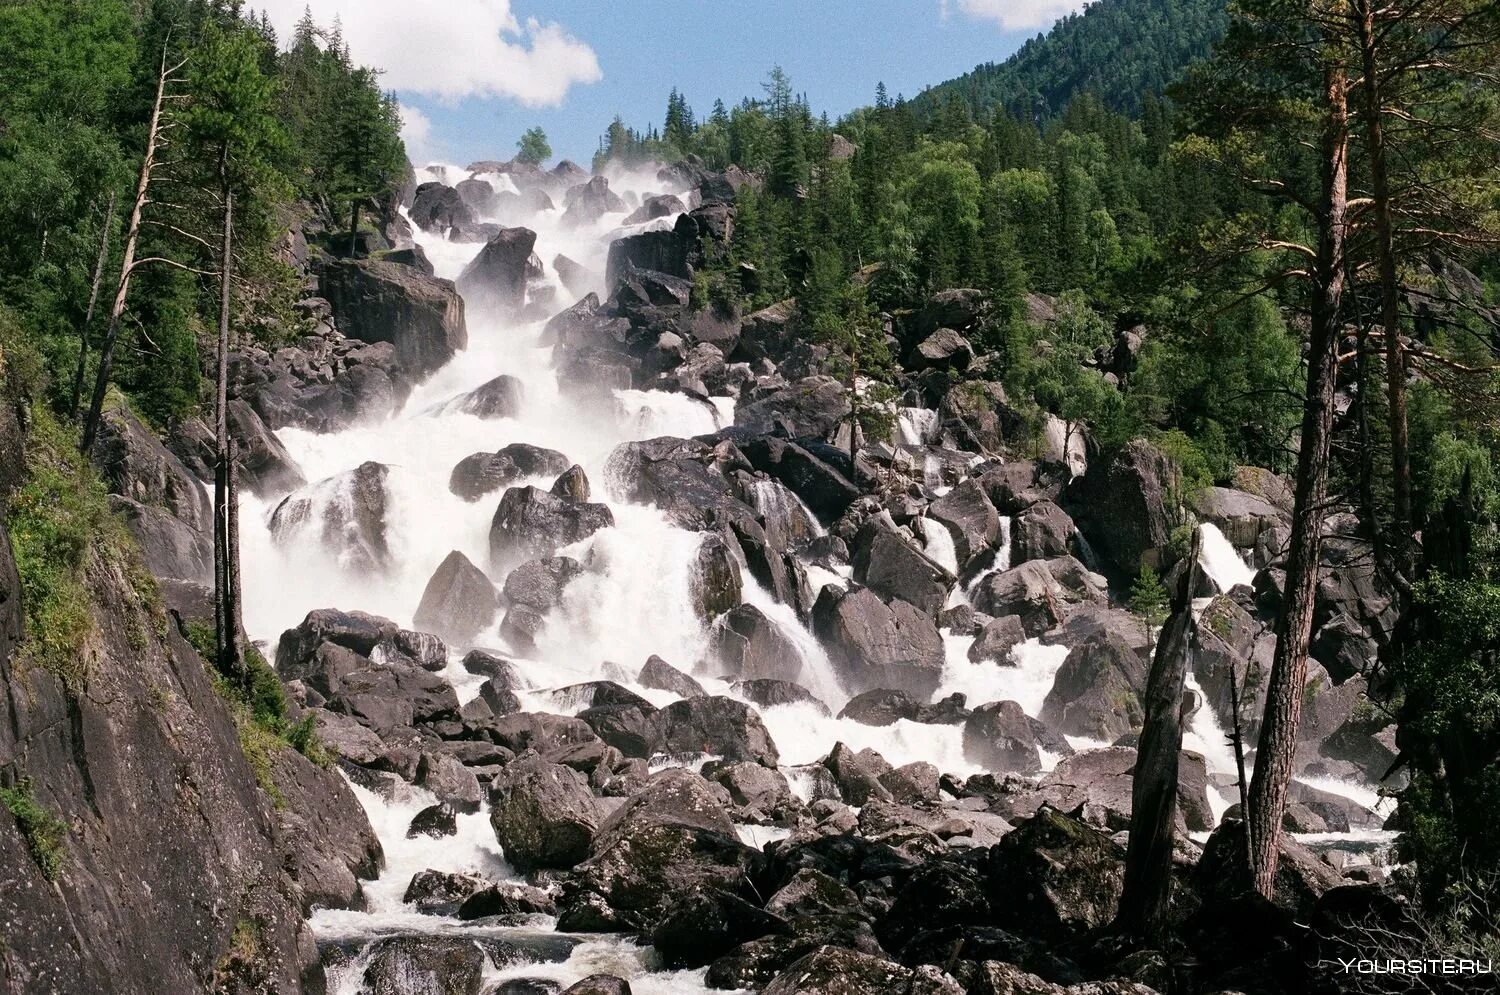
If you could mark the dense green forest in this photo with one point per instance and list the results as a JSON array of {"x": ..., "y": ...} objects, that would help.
[
  {"x": 1297, "y": 242},
  {"x": 1124, "y": 50}
]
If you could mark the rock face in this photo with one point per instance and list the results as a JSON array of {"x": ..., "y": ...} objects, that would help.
[
  {"x": 999, "y": 738},
  {"x": 532, "y": 523},
  {"x": 1039, "y": 592},
  {"x": 210, "y": 835},
  {"x": 1060, "y": 878},
  {"x": 873, "y": 644},
  {"x": 1097, "y": 690},
  {"x": 590, "y": 201},
  {"x": 376, "y": 301},
  {"x": 893, "y": 568},
  {"x": 484, "y": 473},
  {"x": 496, "y": 278},
  {"x": 458, "y": 603},
  {"x": 345, "y": 513},
  {"x": 163, "y": 504},
  {"x": 501, "y": 397},
  {"x": 717, "y": 725}
]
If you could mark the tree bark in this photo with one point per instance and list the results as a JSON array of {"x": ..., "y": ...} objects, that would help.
[
  {"x": 127, "y": 264},
  {"x": 88, "y": 317},
  {"x": 354, "y": 230},
  {"x": 226, "y": 615},
  {"x": 1284, "y": 693},
  {"x": 1390, "y": 288},
  {"x": 1145, "y": 902}
]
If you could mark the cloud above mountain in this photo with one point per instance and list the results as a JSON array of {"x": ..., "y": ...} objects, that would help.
[
  {"x": 1014, "y": 15},
  {"x": 454, "y": 49}
]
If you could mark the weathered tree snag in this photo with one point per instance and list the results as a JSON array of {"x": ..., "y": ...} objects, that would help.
[
  {"x": 1278, "y": 735},
  {"x": 1145, "y": 902},
  {"x": 226, "y": 596},
  {"x": 88, "y": 318}
]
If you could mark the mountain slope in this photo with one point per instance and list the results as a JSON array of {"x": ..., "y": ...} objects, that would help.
[{"x": 1119, "y": 49}]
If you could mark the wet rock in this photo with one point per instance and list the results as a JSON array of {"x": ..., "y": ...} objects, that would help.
[
  {"x": 749, "y": 646},
  {"x": 706, "y": 924},
  {"x": 872, "y": 644},
  {"x": 328, "y": 845},
  {"x": 895, "y": 569},
  {"x": 530, "y": 523},
  {"x": 575, "y": 277},
  {"x": 1041, "y": 532},
  {"x": 1096, "y": 693},
  {"x": 449, "y": 780},
  {"x": 437, "y": 207},
  {"x": 572, "y": 485},
  {"x": 714, "y": 580},
  {"x": 459, "y": 601},
  {"x": 496, "y": 278},
  {"x": 588, "y": 202},
  {"x": 721, "y": 726},
  {"x": 667, "y": 251},
  {"x": 969, "y": 516},
  {"x": 1060, "y": 877},
  {"x": 661, "y": 206},
  {"x": 489, "y": 664},
  {"x": 424, "y": 965},
  {"x": 1039, "y": 592},
  {"x": 768, "y": 693},
  {"x": 265, "y": 467},
  {"x": 501, "y": 397},
  {"x": 1241, "y": 516},
  {"x": 660, "y": 675},
  {"x": 436, "y": 821},
  {"x": 440, "y": 893},
  {"x": 833, "y": 970},
  {"x": 1124, "y": 506},
  {"x": 666, "y": 840},
  {"x": 600, "y": 984},
  {"x": 506, "y": 899},
  {"x": 752, "y": 785},
  {"x": 539, "y": 584},
  {"x": 345, "y": 513},
  {"x": 976, "y": 417},
  {"x": 376, "y": 301},
  {"x": 997, "y": 640},
  {"x": 683, "y": 477},
  {"x": 544, "y": 814},
  {"x": 912, "y": 784},
  {"x": 825, "y": 488},
  {"x": 858, "y": 774},
  {"x": 483, "y": 473},
  {"x": 999, "y": 738}
]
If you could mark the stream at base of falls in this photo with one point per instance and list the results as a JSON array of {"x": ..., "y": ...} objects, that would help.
[{"x": 633, "y": 600}]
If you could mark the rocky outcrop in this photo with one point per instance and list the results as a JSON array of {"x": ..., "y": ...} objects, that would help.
[
  {"x": 376, "y": 301},
  {"x": 531, "y": 523},
  {"x": 1126, "y": 506},
  {"x": 544, "y": 814},
  {"x": 484, "y": 473},
  {"x": 874, "y": 644}
]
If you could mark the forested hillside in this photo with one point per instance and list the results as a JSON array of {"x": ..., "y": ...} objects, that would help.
[{"x": 1124, "y": 51}]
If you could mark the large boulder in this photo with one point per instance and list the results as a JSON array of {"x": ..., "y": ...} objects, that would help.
[
  {"x": 667, "y": 839},
  {"x": 458, "y": 603},
  {"x": 813, "y": 408},
  {"x": 873, "y": 644},
  {"x": 498, "y": 398},
  {"x": 749, "y": 646},
  {"x": 1099, "y": 782},
  {"x": 1059, "y": 877},
  {"x": 1240, "y": 515},
  {"x": 832, "y": 970},
  {"x": 894, "y": 568},
  {"x": 661, "y": 206},
  {"x": 825, "y": 487},
  {"x": 484, "y": 473},
  {"x": 683, "y": 477},
  {"x": 424, "y": 965},
  {"x": 970, "y": 517},
  {"x": 1301, "y": 877},
  {"x": 587, "y": 202},
  {"x": 376, "y": 301},
  {"x": 1040, "y": 592},
  {"x": 1097, "y": 691},
  {"x": 999, "y": 738},
  {"x": 496, "y": 278},
  {"x": 437, "y": 207},
  {"x": 531, "y": 523},
  {"x": 1041, "y": 532},
  {"x": 716, "y": 725},
  {"x": 1125, "y": 505},
  {"x": 544, "y": 814},
  {"x": 715, "y": 579},
  {"x": 665, "y": 251},
  {"x": 264, "y": 466},
  {"x": 346, "y": 513},
  {"x": 328, "y": 843}
]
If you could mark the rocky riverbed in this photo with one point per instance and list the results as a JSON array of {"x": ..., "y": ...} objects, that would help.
[{"x": 641, "y": 680}]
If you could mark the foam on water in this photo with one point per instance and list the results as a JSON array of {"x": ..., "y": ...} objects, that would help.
[{"x": 1221, "y": 561}]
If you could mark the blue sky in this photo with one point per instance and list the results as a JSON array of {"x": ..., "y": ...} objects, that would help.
[{"x": 474, "y": 74}]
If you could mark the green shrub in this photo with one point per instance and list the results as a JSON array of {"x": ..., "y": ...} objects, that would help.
[{"x": 43, "y": 831}]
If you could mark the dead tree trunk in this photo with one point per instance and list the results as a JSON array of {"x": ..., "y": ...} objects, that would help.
[
  {"x": 354, "y": 230},
  {"x": 128, "y": 261},
  {"x": 1145, "y": 902},
  {"x": 80, "y": 371},
  {"x": 1284, "y": 693}
]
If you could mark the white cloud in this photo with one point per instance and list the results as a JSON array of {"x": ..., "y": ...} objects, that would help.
[
  {"x": 416, "y": 132},
  {"x": 452, "y": 49},
  {"x": 1014, "y": 15}
]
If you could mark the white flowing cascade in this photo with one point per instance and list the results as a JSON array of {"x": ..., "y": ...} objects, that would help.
[{"x": 631, "y": 602}]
